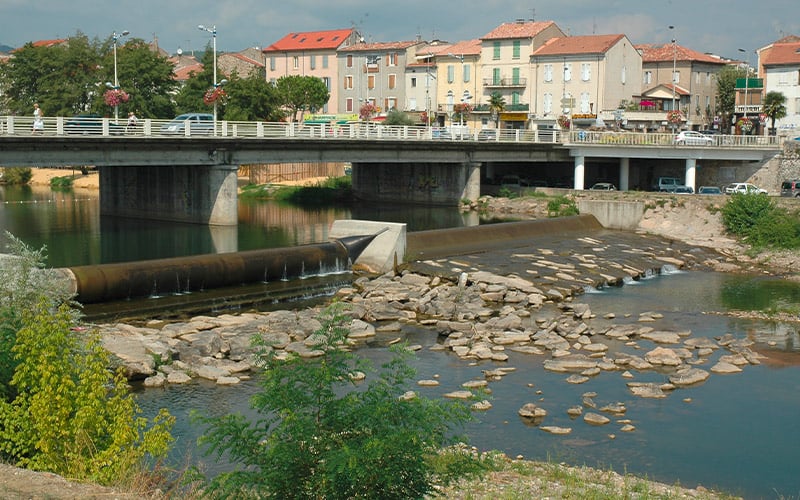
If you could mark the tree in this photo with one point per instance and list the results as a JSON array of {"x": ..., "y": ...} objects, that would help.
[
  {"x": 190, "y": 96},
  {"x": 252, "y": 99},
  {"x": 726, "y": 92},
  {"x": 774, "y": 107},
  {"x": 300, "y": 94},
  {"x": 497, "y": 104},
  {"x": 319, "y": 437},
  {"x": 397, "y": 117}
]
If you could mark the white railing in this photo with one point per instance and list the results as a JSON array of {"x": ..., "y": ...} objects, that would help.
[{"x": 107, "y": 127}]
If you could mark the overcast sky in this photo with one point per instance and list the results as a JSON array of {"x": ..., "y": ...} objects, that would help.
[{"x": 716, "y": 26}]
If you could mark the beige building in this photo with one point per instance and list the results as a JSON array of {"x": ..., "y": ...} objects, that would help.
[{"x": 458, "y": 82}]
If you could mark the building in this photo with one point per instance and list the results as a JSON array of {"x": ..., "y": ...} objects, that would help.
[
  {"x": 458, "y": 84},
  {"x": 779, "y": 65},
  {"x": 505, "y": 66},
  {"x": 584, "y": 77},
  {"x": 375, "y": 73},
  {"x": 421, "y": 98},
  {"x": 311, "y": 53},
  {"x": 248, "y": 62}
]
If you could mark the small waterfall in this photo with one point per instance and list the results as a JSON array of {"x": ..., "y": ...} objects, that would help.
[
  {"x": 649, "y": 274},
  {"x": 629, "y": 280},
  {"x": 285, "y": 276},
  {"x": 670, "y": 269},
  {"x": 588, "y": 289},
  {"x": 266, "y": 275},
  {"x": 154, "y": 294}
]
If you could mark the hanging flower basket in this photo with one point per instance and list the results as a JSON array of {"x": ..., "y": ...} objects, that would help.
[
  {"x": 115, "y": 97},
  {"x": 563, "y": 121},
  {"x": 674, "y": 117},
  {"x": 745, "y": 125},
  {"x": 214, "y": 94},
  {"x": 367, "y": 111}
]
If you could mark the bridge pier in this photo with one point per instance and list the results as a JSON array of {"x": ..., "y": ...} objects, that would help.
[
  {"x": 428, "y": 183},
  {"x": 691, "y": 171},
  {"x": 579, "y": 172},
  {"x": 624, "y": 173},
  {"x": 199, "y": 194}
]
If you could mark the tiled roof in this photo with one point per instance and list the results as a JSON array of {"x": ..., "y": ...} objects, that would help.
[
  {"x": 185, "y": 72},
  {"x": 519, "y": 29},
  {"x": 668, "y": 86},
  {"x": 463, "y": 48},
  {"x": 782, "y": 54},
  {"x": 378, "y": 46},
  {"x": 246, "y": 59},
  {"x": 664, "y": 52},
  {"x": 589, "y": 44},
  {"x": 49, "y": 43},
  {"x": 311, "y": 40}
]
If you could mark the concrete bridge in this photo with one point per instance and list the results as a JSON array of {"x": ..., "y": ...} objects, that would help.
[{"x": 193, "y": 178}]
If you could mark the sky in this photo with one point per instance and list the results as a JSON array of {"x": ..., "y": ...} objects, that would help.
[{"x": 714, "y": 26}]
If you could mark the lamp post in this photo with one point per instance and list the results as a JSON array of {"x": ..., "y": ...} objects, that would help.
[
  {"x": 213, "y": 31},
  {"x": 746, "y": 80},
  {"x": 115, "y": 37},
  {"x": 674, "y": 61}
]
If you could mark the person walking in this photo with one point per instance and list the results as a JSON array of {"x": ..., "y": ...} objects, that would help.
[
  {"x": 132, "y": 122},
  {"x": 38, "y": 119}
]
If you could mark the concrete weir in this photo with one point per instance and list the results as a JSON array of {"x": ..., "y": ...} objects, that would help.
[{"x": 121, "y": 281}]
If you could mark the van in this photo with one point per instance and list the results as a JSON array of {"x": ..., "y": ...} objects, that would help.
[
  {"x": 790, "y": 189},
  {"x": 667, "y": 184}
]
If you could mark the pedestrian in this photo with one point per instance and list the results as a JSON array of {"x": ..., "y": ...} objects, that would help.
[
  {"x": 38, "y": 119},
  {"x": 132, "y": 122}
]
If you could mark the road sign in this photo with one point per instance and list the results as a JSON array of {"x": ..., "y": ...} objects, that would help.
[{"x": 568, "y": 102}]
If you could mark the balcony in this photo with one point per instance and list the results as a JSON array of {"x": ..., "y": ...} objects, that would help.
[{"x": 505, "y": 82}]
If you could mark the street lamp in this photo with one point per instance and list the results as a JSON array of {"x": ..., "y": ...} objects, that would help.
[
  {"x": 213, "y": 31},
  {"x": 674, "y": 60},
  {"x": 115, "y": 37},
  {"x": 746, "y": 80}
]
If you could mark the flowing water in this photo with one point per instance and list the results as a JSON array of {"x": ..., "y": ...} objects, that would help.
[{"x": 736, "y": 432}]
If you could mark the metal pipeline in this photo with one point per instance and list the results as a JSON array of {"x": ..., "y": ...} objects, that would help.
[{"x": 125, "y": 280}]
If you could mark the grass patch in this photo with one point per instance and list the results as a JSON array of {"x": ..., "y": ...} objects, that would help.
[
  {"x": 61, "y": 182},
  {"x": 327, "y": 192}
]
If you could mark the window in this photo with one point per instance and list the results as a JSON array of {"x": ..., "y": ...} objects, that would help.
[
  {"x": 325, "y": 61},
  {"x": 349, "y": 60},
  {"x": 567, "y": 72},
  {"x": 648, "y": 77},
  {"x": 515, "y": 97},
  {"x": 496, "y": 53},
  {"x": 272, "y": 63},
  {"x": 548, "y": 103},
  {"x": 371, "y": 82},
  {"x": 586, "y": 72},
  {"x": 466, "y": 73},
  {"x": 391, "y": 103},
  {"x": 327, "y": 81},
  {"x": 496, "y": 76},
  {"x": 623, "y": 75},
  {"x": 391, "y": 59},
  {"x": 584, "y": 105},
  {"x": 451, "y": 73},
  {"x": 348, "y": 105},
  {"x": 392, "y": 81},
  {"x": 515, "y": 76},
  {"x": 296, "y": 62},
  {"x": 413, "y": 82},
  {"x": 548, "y": 72},
  {"x": 412, "y": 104},
  {"x": 312, "y": 61},
  {"x": 515, "y": 52},
  {"x": 676, "y": 77},
  {"x": 348, "y": 82}
]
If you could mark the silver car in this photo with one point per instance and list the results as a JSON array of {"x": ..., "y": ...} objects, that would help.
[{"x": 198, "y": 123}]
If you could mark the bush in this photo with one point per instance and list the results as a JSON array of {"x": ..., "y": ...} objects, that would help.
[
  {"x": 561, "y": 206},
  {"x": 329, "y": 191},
  {"x": 61, "y": 182},
  {"x": 17, "y": 175},
  {"x": 321, "y": 437},
  {"x": 757, "y": 220}
]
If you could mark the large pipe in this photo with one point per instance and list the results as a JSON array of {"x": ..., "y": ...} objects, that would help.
[{"x": 120, "y": 281}]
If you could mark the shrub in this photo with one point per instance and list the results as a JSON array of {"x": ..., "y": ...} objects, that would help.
[
  {"x": 561, "y": 206},
  {"x": 320, "y": 437},
  {"x": 329, "y": 191},
  {"x": 757, "y": 220},
  {"x": 61, "y": 182},
  {"x": 17, "y": 175}
]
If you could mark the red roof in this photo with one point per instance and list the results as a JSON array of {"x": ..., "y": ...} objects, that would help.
[
  {"x": 463, "y": 48},
  {"x": 379, "y": 46},
  {"x": 782, "y": 54},
  {"x": 519, "y": 29},
  {"x": 311, "y": 40},
  {"x": 589, "y": 44},
  {"x": 665, "y": 53}
]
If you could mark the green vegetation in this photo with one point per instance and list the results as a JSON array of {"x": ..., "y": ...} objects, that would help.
[
  {"x": 397, "y": 117},
  {"x": 17, "y": 175},
  {"x": 328, "y": 192},
  {"x": 760, "y": 223},
  {"x": 61, "y": 410},
  {"x": 321, "y": 436},
  {"x": 64, "y": 182},
  {"x": 562, "y": 206}
]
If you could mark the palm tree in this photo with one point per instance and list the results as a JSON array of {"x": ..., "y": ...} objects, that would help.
[
  {"x": 497, "y": 104},
  {"x": 774, "y": 107}
]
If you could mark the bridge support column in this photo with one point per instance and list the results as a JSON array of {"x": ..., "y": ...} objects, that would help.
[
  {"x": 580, "y": 172},
  {"x": 624, "y": 173},
  {"x": 429, "y": 183},
  {"x": 691, "y": 171},
  {"x": 199, "y": 194}
]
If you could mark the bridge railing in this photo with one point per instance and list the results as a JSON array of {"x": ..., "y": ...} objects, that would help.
[{"x": 108, "y": 127}]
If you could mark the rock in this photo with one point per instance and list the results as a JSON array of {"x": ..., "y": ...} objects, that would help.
[
  {"x": 646, "y": 390},
  {"x": 427, "y": 383},
  {"x": 577, "y": 379},
  {"x": 475, "y": 384},
  {"x": 157, "y": 380},
  {"x": 228, "y": 380},
  {"x": 723, "y": 367},
  {"x": 360, "y": 330},
  {"x": 570, "y": 363},
  {"x": 481, "y": 405},
  {"x": 595, "y": 419},
  {"x": 662, "y": 337},
  {"x": 574, "y": 411},
  {"x": 556, "y": 430},
  {"x": 211, "y": 372},
  {"x": 663, "y": 356},
  {"x": 178, "y": 377},
  {"x": 688, "y": 376},
  {"x": 458, "y": 395},
  {"x": 531, "y": 410},
  {"x": 627, "y": 428}
]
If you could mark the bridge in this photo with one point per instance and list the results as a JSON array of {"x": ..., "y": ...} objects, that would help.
[{"x": 151, "y": 172}]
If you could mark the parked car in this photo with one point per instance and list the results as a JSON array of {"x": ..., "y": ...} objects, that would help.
[
  {"x": 709, "y": 190},
  {"x": 603, "y": 186},
  {"x": 199, "y": 124},
  {"x": 488, "y": 134},
  {"x": 683, "y": 190},
  {"x": 692, "y": 138},
  {"x": 667, "y": 184},
  {"x": 744, "y": 188},
  {"x": 790, "y": 189},
  {"x": 90, "y": 124}
]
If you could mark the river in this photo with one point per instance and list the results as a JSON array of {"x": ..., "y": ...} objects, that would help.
[{"x": 735, "y": 432}]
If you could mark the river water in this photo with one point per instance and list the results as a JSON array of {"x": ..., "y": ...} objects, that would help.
[{"x": 735, "y": 432}]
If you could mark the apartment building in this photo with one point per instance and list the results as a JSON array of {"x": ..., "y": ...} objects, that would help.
[
  {"x": 779, "y": 65},
  {"x": 457, "y": 82}
]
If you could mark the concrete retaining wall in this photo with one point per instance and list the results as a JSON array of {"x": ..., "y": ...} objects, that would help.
[
  {"x": 426, "y": 183},
  {"x": 614, "y": 214}
]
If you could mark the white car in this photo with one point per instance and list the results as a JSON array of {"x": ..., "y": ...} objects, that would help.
[
  {"x": 744, "y": 188},
  {"x": 691, "y": 138}
]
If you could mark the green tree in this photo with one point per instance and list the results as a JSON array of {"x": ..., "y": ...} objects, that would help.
[
  {"x": 726, "y": 92},
  {"x": 251, "y": 99},
  {"x": 145, "y": 75},
  {"x": 319, "y": 437},
  {"x": 774, "y": 107},
  {"x": 397, "y": 117},
  {"x": 300, "y": 94},
  {"x": 189, "y": 98},
  {"x": 497, "y": 104}
]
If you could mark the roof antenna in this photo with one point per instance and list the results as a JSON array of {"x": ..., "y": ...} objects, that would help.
[{"x": 533, "y": 15}]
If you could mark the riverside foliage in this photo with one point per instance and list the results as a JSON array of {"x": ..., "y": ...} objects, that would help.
[
  {"x": 760, "y": 222},
  {"x": 322, "y": 435}
]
